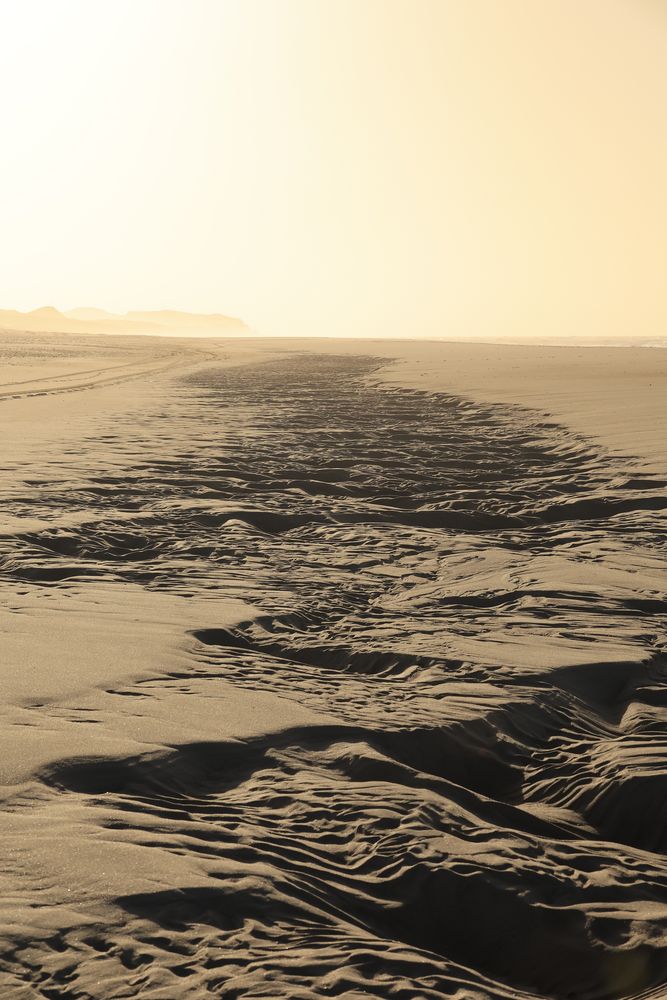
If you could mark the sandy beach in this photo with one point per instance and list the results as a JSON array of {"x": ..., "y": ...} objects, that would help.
[{"x": 332, "y": 668}]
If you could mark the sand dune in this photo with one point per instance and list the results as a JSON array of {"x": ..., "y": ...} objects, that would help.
[{"x": 323, "y": 678}]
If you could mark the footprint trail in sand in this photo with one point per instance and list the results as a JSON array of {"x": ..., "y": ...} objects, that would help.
[{"x": 438, "y": 627}]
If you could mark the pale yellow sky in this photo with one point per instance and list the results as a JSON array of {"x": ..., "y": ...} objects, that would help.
[{"x": 402, "y": 167}]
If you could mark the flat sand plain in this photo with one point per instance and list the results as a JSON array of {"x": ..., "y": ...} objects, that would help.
[{"x": 332, "y": 668}]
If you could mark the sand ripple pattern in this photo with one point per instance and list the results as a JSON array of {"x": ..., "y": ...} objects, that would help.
[{"x": 477, "y": 600}]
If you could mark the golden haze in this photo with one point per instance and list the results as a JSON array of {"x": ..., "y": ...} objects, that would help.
[{"x": 425, "y": 168}]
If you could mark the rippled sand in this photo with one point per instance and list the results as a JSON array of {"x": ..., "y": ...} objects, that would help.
[{"x": 317, "y": 683}]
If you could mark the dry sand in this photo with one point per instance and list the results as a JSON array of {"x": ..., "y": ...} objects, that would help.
[{"x": 332, "y": 669}]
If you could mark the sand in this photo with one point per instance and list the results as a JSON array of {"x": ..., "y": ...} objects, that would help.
[{"x": 332, "y": 668}]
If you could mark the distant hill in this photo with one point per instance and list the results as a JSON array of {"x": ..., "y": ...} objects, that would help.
[
  {"x": 94, "y": 314},
  {"x": 91, "y": 320},
  {"x": 46, "y": 313},
  {"x": 188, "y": 321},
  {"x": 38, "y": 320}
]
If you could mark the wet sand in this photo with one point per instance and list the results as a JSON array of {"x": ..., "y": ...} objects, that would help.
[{"x": 332, "y": 669}]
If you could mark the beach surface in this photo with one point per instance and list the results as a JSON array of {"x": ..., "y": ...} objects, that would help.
[{"x": 332, "y": 668}]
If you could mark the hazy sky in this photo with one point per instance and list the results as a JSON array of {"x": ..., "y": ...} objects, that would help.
[{"x": 411, "y": 167}]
